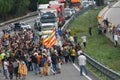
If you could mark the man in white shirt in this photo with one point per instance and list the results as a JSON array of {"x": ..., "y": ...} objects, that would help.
[
  {"x": 84, "y": 40},
  {"x": 5, "y": 65},
  {"x": 79, "y": 51},
  {"x": 116, "y": 39},
  {"x": 82, "y": 64}
]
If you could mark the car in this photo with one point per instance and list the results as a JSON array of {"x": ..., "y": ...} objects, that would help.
[
  {"x": 117, "y": 28},
  {"x": 73, "y": 11},
  {"x": 85, "y": 4},
  {"x": 21, "y": 26},
  {"x": 68, "y": 13},
  {"x": 8, "y": 28}
]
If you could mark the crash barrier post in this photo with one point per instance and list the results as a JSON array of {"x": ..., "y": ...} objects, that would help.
[
  {"x": 19, "y": 18},
  {"x": 110, "y": 74}
]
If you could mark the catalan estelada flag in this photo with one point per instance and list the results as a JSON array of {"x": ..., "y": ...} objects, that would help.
[{"x": 50, "y": 41}]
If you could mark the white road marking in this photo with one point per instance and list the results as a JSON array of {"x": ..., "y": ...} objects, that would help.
[
  {"x": 83, "y": 72},
  {"x": 105, "y": 16}
]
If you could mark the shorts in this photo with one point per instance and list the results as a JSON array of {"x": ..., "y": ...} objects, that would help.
[
  {"x": 16, "y": 70},
  {"x": 5, "y": 72}
]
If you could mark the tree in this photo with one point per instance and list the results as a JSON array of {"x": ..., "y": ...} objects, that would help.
[
  {"x": 99, "y": 2},
  {"x": 33, "y": 5},
  {"x": 5, "y": 7},
  {"x": 43, "y": 1},
  {"x": 20, "y": 6}
]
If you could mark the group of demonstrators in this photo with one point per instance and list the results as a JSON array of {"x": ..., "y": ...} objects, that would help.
[
  {"x": 24, "y": 51},
  {"x": 110, "y": 28}
]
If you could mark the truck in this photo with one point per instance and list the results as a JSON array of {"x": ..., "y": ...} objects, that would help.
[
  {"x": 47, "y": 15},
  {"x": 75, "y": 4},
  {"x": 48, "y": 19},
  {"x": 60, "y": 11},
  {"x": 64, "y": 2},
  {"x": 42, "y": 6},
  {"x": 46, "y": 29}
]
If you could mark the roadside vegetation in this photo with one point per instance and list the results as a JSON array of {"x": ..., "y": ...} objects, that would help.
[
  {"x": 14, "y": 8},
  {"x": 98, "y": 47}
]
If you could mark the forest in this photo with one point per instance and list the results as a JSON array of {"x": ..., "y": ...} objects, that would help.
[{"x": 14, "y": 8}]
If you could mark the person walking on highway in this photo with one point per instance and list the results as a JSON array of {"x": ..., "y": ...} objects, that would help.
[
  {"x": 72, "y": 54},
  {"x": 100, "y": 28},
  {"x": 82, "y": 64},
  {"x": 106, "y": 25},
  {"x": 75, "y": 39},
  {"x": 54, "y": 62},
  {"x": 66, "y": 54},
  {"x": 116, "y": 39},
  {"x": 22, "y": 69},
  {"x": 84, "y": 40},
  {"x": 90, "y": 31}
]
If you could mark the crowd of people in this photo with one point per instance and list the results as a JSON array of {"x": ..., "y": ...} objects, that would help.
[
  {"x": 24, "y": 51},
  {"x": 110, "y": 28}
]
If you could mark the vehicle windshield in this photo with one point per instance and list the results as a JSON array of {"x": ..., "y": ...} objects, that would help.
[
  {"x": 48, "y": 17},
  {"x": 23, "y": 24},
  {"x": 75, "y": 4},
  {"x": 48, "y": 27}
]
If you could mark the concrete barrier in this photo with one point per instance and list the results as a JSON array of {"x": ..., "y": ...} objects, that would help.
[
  {"x": 19, "y": 18},
  {"x": 102, "y": 13}
]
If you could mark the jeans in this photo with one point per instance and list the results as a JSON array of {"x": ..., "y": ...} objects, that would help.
[
  {"x": 73, "y": 58},
  {"x": 82, "y": 67},
  {"x": 35, "y": 68},
  {"x": 30, "y": 67},
  {"x": 55, "y": 68}
]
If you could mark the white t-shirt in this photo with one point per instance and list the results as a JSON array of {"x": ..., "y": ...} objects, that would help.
[
  {"x": 5, "y": 65},
  {"x": 82, "y": 60},
  {"x": 79, "y": 52},
  {"x": 116, "y": 37},
  {"x": 84, "y": 38}
]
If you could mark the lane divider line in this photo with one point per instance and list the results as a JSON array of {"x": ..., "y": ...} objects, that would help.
[
  {"x": 105, "y": 16},
  {"x": 79, "y": 71}
]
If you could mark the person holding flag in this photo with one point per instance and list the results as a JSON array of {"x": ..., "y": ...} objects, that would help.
[{"x": 50, "y": 41}]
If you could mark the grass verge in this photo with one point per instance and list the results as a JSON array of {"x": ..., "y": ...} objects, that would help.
[{"x": 98, "y": 47}]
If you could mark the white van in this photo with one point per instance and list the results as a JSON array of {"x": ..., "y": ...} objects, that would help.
[{"x": 87, "y": 3}]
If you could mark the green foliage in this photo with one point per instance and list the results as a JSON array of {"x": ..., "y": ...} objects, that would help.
[
  {"x": 33, "y": 5},
  {"x": 5, "y": 6},
  {"x": 43, "y": 1},
  {"x": 18, "y": 7},
  {"x": 98, "y": 46}
]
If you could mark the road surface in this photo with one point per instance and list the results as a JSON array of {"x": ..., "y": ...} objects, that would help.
[
  {"x": 69, "y": 72},
  {"x": 113, "y": 14}
]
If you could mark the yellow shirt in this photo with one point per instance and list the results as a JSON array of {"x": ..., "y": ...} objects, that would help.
[
  {"x": 22, "y": 69},
  {"x": 73, "y": 52}
]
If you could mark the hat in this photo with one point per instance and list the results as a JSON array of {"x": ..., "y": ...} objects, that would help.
[{"x": 23, "y": 62}]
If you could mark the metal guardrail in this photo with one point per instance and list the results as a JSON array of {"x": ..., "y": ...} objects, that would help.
[
  {"x": 19, "y": 18},
  {"x": 110, "y": 74},
  {"x": 75, "y": 16}
]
